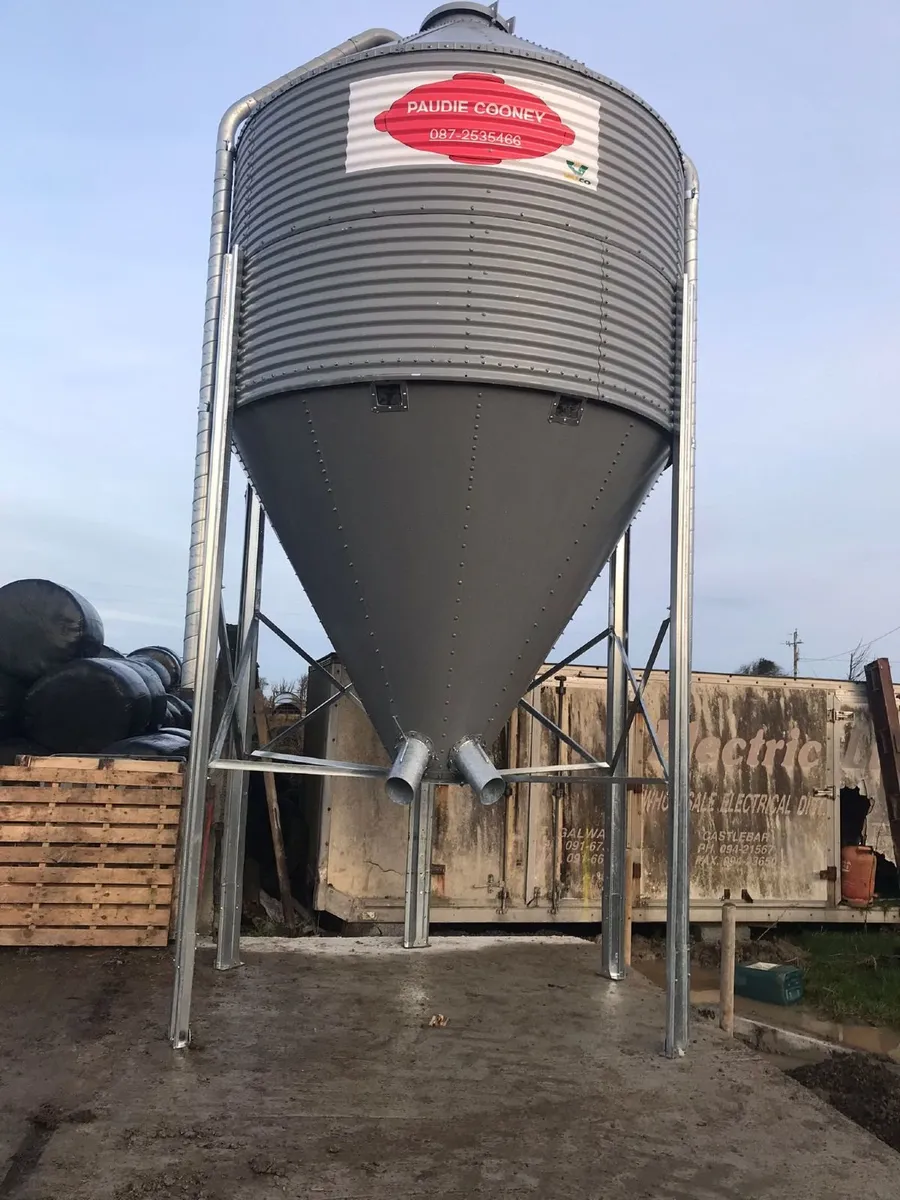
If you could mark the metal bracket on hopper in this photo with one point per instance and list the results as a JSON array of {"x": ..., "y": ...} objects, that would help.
[
  {"x": 390, "y": 397},
  {"x": 566, "y": 410}
]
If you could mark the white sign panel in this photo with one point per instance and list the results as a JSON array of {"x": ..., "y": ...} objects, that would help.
[{"x": 506, "y": 122}]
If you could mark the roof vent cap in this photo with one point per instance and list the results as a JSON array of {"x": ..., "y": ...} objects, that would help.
[{"x": 465, "y": 10}]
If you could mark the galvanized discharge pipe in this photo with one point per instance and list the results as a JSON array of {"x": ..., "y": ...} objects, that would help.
[
  {"x": 408, "y": 768},
  {"x": 470, "y": 759},
  {"x": 223, "y": 186}
]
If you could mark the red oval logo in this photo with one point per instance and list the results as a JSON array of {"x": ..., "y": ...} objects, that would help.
[{"x": 477, "y": 119}]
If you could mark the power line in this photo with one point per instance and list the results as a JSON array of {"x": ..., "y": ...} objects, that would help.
[{"x": 844, "y": 653}]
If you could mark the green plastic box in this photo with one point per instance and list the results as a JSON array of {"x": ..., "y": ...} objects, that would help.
[{"x": 768, "y": 982}]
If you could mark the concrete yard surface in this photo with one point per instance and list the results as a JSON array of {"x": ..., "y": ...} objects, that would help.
[{"x": 315, "y": 1072}]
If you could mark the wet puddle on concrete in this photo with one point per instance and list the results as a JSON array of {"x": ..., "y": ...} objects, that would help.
[{"x": 705, "y": 994}]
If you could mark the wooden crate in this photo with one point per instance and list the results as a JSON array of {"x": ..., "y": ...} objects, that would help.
[{"x": 87, "y": 851}]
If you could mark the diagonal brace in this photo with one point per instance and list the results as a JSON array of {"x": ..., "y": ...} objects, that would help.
[
  {"x": 307, "y": 658},
  {"x": 228, "y": 713},
  {"x": 634, "y": 706},
  {"x": 300, "y": 722},
  {"x": 563, "y": 737},
  {"x": 227, "y": 661},
  {"x": 576, "y": 654},
  {"x": 639, "y": 700}
]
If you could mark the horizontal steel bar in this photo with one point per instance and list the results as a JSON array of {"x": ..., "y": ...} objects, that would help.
[
  {"x": 551, "y": 671},
  {"x": 514, "y": 772},
  {"x": 285, "y": 765},
  {"x": 628, "y": 780}
]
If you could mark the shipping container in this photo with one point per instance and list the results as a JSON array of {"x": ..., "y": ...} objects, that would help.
[{"x": 768, "y": 761}]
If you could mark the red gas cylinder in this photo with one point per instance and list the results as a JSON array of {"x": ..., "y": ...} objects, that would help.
[{"x": 858, "y": 875}]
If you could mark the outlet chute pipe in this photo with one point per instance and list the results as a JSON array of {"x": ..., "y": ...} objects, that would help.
[
  {"x": 408, "y": 768},
  {"x": 470, "y": 759}
]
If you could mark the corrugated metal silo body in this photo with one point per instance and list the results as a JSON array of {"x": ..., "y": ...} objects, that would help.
[{"x": 462, "y": 262}]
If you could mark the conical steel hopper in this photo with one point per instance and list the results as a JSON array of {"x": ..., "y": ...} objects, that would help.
[{"x": 445, "y": 546}]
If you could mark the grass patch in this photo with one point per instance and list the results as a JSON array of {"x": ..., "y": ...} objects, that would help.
[{"x": 853, "y": 976}]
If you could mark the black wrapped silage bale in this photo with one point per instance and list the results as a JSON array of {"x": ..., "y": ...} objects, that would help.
[
  {"x": 178, "y": 712},
  {"x": 43, "y": 626},
  {"x": 87, "y": 705},
  {"x": 158, "y": 697},
  {"x": 166, "y": 658},
  {"x": 149, "y": 745},
  {"x": 162, "y": 672},
  {"x": 12, "y": 696}
]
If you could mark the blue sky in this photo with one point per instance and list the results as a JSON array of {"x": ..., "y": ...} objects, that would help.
[{"x": 789, "y": 109}]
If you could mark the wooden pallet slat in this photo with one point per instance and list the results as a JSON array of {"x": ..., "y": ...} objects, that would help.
[
  {"x": 53, "y": 874},
  {"x": 111, "y": 856},
  {"x": 70, "y": 915},
  {"x": 66, "y": 894},
  {"x": 87, "y": 851},
  {"x": 115, "y": 936},
  {"x": 61, "y": 833},
  {"x": 118, "y": 772},
  {"x": 79, "y": 795},
  {"x": 103, "y": 812}
]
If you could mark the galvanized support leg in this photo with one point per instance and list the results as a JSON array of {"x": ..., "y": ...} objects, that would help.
[
  {"x": 231, "y": 895},
  {"x": 418, "y": 868},
  {"x": 678, "y": 962},
  {"x": 615, "y": 801},
  {"x": 213, "y": 553}
]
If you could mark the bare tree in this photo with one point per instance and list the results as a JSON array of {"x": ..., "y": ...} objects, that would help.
[
  {"x": 285, "y": 689},
  {"x": 765, "y": 667},
  {"x": 859, "y": 656}
]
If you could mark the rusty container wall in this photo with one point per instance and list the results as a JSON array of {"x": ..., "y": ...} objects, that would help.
[{"x": 768, "y": 760}]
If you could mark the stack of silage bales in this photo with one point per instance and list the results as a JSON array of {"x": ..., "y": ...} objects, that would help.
[{"x": 62, "y": 691}]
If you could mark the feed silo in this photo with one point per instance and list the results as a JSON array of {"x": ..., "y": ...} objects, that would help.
[{"x": 461, "y": 262}]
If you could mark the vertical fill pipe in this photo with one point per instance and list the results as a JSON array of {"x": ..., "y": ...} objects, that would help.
[
  {"x": 231, "y": 893},
  {"x": 220, "y": 231},
  {"x": 212, "y": 553},
  {"x": 615, "y": 800},
  {"x": 678, "y": 962}
]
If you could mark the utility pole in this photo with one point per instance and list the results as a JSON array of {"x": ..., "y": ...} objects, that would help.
[{"x": 795, "y": 645}]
